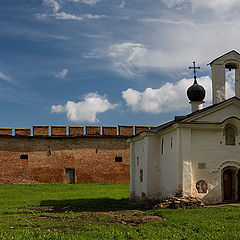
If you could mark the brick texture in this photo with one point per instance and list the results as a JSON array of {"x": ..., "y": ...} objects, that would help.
[
  {"x": 40, "y": 130},
  {"x": 58, "y": 130},
  {"x": 6, "y": 131},
  {"x": 93, "y": 159},
  {"x": 125, "y": 130},
  {"x": 109, "y": 131},
  {"x": 76, "y": 131},
  {"x": 139, "y": 129},
  {"x": 22, "y": 132},
  {"x": 93, "y": 130}
]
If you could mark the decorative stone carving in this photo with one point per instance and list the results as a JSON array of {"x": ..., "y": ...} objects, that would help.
[
  {"x": 201, "y": 186},
  {"x": 228, "y": 163}
]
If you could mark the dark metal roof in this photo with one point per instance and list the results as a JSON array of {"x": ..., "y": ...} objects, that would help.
[
  {"x": 178, "y": 119},
  {"x": 209, "y": 107}
]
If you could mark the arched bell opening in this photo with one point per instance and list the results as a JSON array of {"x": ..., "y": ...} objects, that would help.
[
  {"x": 232, "y": 78},
  {"x": 230, "y": 184},
  {"x": 231, "y": 62}
]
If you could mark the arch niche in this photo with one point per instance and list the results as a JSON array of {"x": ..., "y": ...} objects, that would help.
[{"x": 230, "y": 133}]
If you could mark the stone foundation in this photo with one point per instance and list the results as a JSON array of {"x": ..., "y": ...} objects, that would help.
[{"x": 175, "y": 203}]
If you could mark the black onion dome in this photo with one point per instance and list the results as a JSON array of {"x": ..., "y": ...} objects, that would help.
[{"x": 196, "y": 92}]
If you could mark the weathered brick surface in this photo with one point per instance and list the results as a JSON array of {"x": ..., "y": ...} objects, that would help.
[
  {"x": 58, "y": 130},
  {"x": 40, "y": 130},
  {"x": 76, "y": 131},
  {"x": 93, "y": 159},
  {"x": 125, "y": 130},
  {"x": 109, "y": 131},
  {"x": 6, "y": 131},
  {"x": 139, "y": 129},
  {"x": 22, "y": 132},
  {"x": 93, "y": 130}
]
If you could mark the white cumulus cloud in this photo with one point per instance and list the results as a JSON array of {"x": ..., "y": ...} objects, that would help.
[
  {"x": 54, "y": 4},
  {"x": 169, "y": 97},
  {"x": 122, "y": 5},
  {"x": 89, "y": 2},
  {"x": 62, "y": 74},
  {"x": 91, "y": 16},
  {"x": 86, "y": 110},
  {"x": 5, "y": 77},
  {"x": 67, "y": 16},
  {"x": 215, "y": 5},
  {"x": 125, "y": 57},
  {"x": 57, "y": 109},
  {"x": 57, "y": 4}
]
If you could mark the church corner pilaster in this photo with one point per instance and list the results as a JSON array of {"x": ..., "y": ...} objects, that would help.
[
  {"x": 132, "y": 171},
  {"x": 185, "y": 160},
  {"x": 146, "y": 159}
]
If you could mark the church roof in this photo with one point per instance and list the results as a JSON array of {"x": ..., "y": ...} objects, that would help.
[
  {"x": 184, "y": 118},
  {"x": 232, "y": 51},
  {"x": 208, "y": 108}
]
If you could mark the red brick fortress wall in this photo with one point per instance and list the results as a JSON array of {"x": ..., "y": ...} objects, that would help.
[
  {"x": 99, "y": 155},
  {"x": 93, "y": 159}
]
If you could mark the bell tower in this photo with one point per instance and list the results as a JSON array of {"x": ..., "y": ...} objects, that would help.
[{"x": 230, "y": 60}]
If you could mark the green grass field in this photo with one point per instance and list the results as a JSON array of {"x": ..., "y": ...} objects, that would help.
[{"x": 102, "y": 211}]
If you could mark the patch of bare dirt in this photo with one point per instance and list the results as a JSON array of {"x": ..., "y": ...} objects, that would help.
[
  {"x": 132, "y": 217},
  {"x": 128, "y": 217}
]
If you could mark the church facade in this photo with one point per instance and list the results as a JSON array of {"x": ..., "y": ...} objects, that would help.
[{"x": 195, "y": 155}]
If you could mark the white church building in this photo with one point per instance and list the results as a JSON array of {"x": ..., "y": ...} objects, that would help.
[{"x": 195, "y": 155}]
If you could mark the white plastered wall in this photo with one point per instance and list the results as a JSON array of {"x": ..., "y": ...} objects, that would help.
[
  {"x": 162, "y": 176},
  {"x": 208, "y": 146},
  {"x": 137, "y": 162},
  {"x": 153, "y": 166},
  {"x": 220, "y": 115},
  {"x": 169, "y": 174}
]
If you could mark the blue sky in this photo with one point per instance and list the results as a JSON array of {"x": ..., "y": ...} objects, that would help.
[{"x": 108, "y": 62}]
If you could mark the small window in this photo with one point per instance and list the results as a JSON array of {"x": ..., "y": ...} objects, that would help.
[
  {"x": 171, "y": 142},
  {"x": 162, "y": 146},
  {"x": 137, "y": 161},
  {"x": 118, "y": 159},
  {"x": 23, "y": 156},
  {"x": 230, "y": 135},
  {"x": 202, "y": 165},
  {"x": 141, "y": 175}
]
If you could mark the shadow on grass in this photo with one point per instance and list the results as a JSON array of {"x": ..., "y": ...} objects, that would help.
[{"x": 96, "y": 204}]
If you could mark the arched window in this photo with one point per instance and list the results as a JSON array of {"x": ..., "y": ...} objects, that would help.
[{"x": 230, "y": 135}]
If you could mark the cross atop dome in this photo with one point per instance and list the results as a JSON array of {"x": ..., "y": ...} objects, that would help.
[
  {"x": 194, "y": 71},
  {"x": 196, "y": 93}
]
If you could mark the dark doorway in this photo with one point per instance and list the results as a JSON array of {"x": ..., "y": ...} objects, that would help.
[
  {"x": 227, "y": 184},
  {"x": 70, "y": 175}
]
